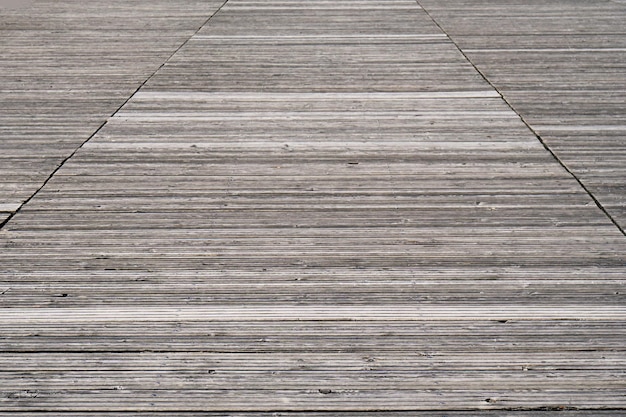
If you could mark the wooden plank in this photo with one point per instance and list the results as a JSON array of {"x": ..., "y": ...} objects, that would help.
[
  {"x": 65, "y": 67},
  {"x": 320, "y": 399},
  {"x": 309, "y": 209},
  {"x": 561, "y": 66},
  {"x": 490, "y": 413},
  {"x": 9, "y": 207},
  {"x": 310, "y": 313}
]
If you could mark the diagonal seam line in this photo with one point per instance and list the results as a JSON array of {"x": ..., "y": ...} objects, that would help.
[
  {"x": 99, "y": 128},
  {"x": 532, "y": 130}
]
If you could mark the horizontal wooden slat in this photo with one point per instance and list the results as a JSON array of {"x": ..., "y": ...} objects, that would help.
[
  {"x": 561, "y": 65},
  {"x": 338, "y": 313},
  {"x": 277, "y": 207},
  {"x": 66, "y": 67}
]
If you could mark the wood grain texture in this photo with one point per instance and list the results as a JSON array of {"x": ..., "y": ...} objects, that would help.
[
  {"x": 66, "y": 66},
  {"x": 308, "y": 210},
  {"x": 561, "y": 66},
  {"x": 562, "y": 411}
]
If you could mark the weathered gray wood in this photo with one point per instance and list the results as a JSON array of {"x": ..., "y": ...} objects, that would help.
[
  {"x": 320, "y": 399},
  {"x": 562, "y": 411},
  {"x": 561, "y": 65},
  {"x": 309, "y": 209},
  {"x": 65, "y": 67}
]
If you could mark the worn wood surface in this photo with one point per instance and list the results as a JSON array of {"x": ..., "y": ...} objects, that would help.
[
  {"x": 66, "y": 66},
  {"x": 562, "y": 65},
  {"x": 307, "y": 210},
  {"x": 481, "y": 413}
]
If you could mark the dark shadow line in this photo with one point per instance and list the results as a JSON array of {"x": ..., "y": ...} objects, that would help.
[
  {"x": 527, "y": 124},
  {"x": 14, "y": 213}
]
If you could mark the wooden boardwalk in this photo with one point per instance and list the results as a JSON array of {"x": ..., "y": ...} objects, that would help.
[
  {"x": 272, "y": 207},
  {"x": 561, "y": 65}
]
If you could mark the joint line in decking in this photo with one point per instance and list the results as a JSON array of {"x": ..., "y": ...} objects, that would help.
[
  {"x": 16, "y": 208},
  {"x": 534, "y": 132}
]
